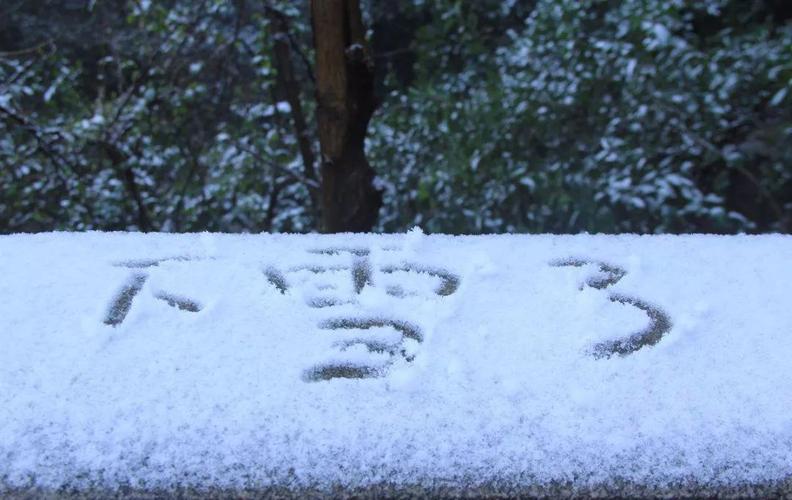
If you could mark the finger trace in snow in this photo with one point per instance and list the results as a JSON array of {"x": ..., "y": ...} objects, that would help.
[
  {"x": 659, "y": 325},
  {"x": 123, "y": 301},
  {"x": 360, "y": 252},
  {"x": 341, "y": 370},
  {"x": 316, "y": 361},
  {"x": 449, "y": 282},
  {"x": 179, "y": 302},
  {"x": 144, "y": 263},
  {"x": 361, "y": 273},
  {"x": 276, "y": 279},
  {"x": 610, "y": 274}
]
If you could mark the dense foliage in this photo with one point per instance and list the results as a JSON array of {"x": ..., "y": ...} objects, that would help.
[{"x": 547, "y": 115}]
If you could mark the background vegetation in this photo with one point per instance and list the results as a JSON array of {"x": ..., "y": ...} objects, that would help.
[{"x": 495, "y": 115}]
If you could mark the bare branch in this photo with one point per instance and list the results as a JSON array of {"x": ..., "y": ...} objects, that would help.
[
  {"x": 37, "y": 49},
  {"x": 308, "y": 183}
]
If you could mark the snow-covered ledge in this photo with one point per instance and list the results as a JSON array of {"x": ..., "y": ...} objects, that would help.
[{"x": 505, "y": 363}]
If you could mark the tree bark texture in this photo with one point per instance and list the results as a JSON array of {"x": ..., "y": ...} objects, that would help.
[{"x": 345, "y": 103}]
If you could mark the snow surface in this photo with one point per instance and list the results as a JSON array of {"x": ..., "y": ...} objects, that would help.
[{"x": 256, "y": 360}]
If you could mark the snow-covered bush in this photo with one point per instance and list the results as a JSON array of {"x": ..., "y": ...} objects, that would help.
[{"x": 599, "y": 116}]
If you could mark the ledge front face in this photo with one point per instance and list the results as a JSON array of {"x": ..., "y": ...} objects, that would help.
[{"x": 501, "y": 364}]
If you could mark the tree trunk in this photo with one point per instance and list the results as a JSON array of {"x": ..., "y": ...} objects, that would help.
[{"x": 345, "y": 103}]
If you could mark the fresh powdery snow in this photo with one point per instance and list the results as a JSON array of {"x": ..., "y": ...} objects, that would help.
[{"x": 256, "y": 361}]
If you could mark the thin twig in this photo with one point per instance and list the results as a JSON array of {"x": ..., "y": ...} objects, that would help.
[
  {"x": 34, "y": 132},
  {"x": 24, "y": 52},
  {"x": 284, "y": 19},
  {"x": 309, "y": 183}
]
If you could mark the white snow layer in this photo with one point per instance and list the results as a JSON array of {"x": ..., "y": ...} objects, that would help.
[{"x": 256, "y": 360}]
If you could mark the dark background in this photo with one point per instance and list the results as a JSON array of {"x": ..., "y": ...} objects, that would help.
[{"x": 531, "y": 116}]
